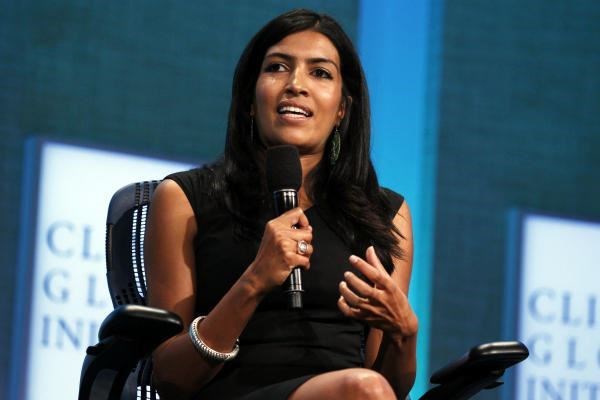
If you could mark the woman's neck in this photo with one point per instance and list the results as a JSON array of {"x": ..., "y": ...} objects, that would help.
[{"x": 308, "y": 162}]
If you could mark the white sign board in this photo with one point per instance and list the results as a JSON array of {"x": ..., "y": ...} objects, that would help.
[
  {"x": 559, "y": 309},
  {"x": 68, "y": 295}
]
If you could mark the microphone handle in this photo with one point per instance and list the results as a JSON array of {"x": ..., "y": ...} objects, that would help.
[{"x": 285, "y": 200}]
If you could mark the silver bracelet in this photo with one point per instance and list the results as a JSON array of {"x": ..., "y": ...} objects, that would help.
[{"x": 206, "y": 351}]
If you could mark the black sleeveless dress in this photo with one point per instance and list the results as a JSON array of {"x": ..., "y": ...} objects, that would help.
[{"x": 280, "y": 348}]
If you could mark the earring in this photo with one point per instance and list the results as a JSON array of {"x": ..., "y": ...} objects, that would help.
[{"x": 336, "y": 145}]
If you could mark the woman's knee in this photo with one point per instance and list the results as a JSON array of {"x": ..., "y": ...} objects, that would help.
[{"x": 366, "y": 384}]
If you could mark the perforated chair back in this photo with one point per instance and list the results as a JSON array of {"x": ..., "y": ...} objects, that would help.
[
  {"x": 125, "y": 271},
  {"x": 125, "y": 231}
]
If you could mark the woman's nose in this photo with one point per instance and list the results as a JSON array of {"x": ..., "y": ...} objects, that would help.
[{"x": 296, "y": 83}]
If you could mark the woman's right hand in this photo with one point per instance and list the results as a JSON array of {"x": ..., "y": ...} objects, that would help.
[{"x": 278, "y": 251}]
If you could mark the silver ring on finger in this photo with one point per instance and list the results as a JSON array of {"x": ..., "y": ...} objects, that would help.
[{"x": 302, "y": 247}]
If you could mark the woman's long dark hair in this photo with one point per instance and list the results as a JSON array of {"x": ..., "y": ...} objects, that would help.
[{"x": 358, "y": 210}]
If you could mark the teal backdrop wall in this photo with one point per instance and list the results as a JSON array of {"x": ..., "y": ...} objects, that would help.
[
  {"x": 508, "y": 116},
  {"x": 517, "y": 126}
]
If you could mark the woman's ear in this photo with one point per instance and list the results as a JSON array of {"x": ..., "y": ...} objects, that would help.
[
  {"x": 344, "y": 112},
  {"x": 346, "y": 101}
]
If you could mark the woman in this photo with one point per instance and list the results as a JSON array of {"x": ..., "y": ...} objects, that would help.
[{"x": 214, "y": 248}]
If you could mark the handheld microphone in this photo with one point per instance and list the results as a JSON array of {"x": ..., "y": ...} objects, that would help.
[{"x": 284, "y": 177}]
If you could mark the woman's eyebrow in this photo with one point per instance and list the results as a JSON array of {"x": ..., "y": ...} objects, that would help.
[{"x": 312, "y": 60}]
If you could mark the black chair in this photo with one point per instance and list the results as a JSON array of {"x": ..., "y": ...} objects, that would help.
[{"x": 119, "y": 367}]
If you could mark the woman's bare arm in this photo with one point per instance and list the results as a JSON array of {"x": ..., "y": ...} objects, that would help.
[
  {"x": 395, "y": 357},
  {"x": 391, "y": 344}
]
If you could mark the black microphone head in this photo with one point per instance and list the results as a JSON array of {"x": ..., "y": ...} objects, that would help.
[{"x": 283, "y": 168}]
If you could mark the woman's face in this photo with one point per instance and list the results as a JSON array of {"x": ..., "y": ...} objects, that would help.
[{"x": 298, "y": 98}]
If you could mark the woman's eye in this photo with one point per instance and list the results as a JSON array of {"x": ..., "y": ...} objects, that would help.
[
  {"x": 275, "y": 67},
  {"x": 321, "y": 73}
]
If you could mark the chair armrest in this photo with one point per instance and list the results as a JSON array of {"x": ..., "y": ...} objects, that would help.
[
  {"x": 127, "y": 335},
  {"x": 479, "y": 368},
  {"x": 495, "y": 356},
  {"x": 143, "y": 323}
]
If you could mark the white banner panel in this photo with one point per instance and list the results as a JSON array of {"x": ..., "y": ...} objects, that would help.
[
  {"x": 559, "y": 309},
  {"x": 68, "y": 293}
]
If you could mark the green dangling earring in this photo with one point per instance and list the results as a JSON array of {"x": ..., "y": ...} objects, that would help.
[{"x": 336, "y": 145}]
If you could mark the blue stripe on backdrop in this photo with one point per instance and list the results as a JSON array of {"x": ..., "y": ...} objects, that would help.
[{"x": 392, "y": 42}]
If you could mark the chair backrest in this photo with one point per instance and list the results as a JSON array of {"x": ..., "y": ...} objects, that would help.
[{"x": 125, "y": 231}]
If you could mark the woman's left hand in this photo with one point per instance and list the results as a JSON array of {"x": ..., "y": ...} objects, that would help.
[{"x": 383, "y": 305}]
